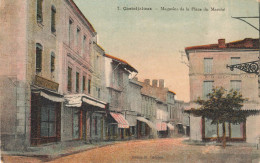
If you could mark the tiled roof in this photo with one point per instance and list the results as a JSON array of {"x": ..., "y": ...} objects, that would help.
[
  {"x": 247, "y": 43},
  {"x": 172, "y": 92},
  {"x": 128, "y": 66}
]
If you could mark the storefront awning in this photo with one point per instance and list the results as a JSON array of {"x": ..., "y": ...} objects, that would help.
[
  {"x": 77, "y": 100},
  {"x": 52, "y": 96},
  {"x": 170, "y": 126},
  {"x": 149, "y": 123},
  {"x": 122, "y": 122},
  {"x": 161, "y": 126}
]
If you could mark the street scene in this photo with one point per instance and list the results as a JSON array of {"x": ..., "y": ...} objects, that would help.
[
  {"x": 85, "y": 81},
  {"x": 159, "y": 150}
]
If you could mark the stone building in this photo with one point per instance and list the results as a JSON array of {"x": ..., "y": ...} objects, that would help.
[
  {"x": 30, "y": 72},
  {"x": 117, "y": 82},
  {"x": 84, "y": 111},
  {"x": 208, "y": 69}
]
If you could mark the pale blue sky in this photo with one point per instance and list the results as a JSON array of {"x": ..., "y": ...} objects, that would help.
[{"x": 151, "y": 40}]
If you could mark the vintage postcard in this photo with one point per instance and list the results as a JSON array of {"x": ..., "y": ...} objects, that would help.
[{"x": 96, "y": 81}]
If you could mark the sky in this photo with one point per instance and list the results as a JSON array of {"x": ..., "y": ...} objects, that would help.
[{"x": 153, "y": 41}]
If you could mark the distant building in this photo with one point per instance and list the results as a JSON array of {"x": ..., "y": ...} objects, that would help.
[
  {"x": 207, "y": 69},
  {"x": 117, "y": 83}
]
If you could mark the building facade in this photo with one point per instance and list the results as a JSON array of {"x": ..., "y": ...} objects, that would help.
[{"x": 208, "y": 70}]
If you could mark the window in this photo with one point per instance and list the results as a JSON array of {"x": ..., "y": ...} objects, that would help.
[
  {"x": 69, "y": 78},
  {"x": 52, "y": 61},
  {"x": 235, "y": 85},
  {"x": 208, "y": 62},
  {"x": 77, "y": 36},
  {"x": 89, "y": 86},
  {"x": 235, "y": 60},
  {"x": 70, "y": 31},
  {"x": 83, "y": 83},
  {"x": 39, "y": 11},
  {"x": 38, "y": 58},
  {"x": 98, "y": 90},
  {"x": 77, "y": 82},
  {"x": 95, "y": 125},
  {"x": 48, "y": 122},
  {"x": 83, "y": 44},
  {"x": 207, "y": 88},
  {"x": 76, "y": 121},
  {"x": 53, "y": 17}
]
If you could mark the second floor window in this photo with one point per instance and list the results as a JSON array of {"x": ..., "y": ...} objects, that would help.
[
  {"x": 235, "y": 60},
  {"x": 53, "y": 19},
  {"x": 39, "y": 11},
  {"x": 69, "y": 79},
  {"x": 83, "y": 83},
  {"x": 83, "y": 44},
  {"x": 207, "y": 88},
  {"x": 208, "y": 62},
  {"x": 70, "y": 31},
  {"x": 89, "y": 86},
  {"x": 52, "y": 62},
  {"x": 38, "y": 58},
  {"x": 77, "y": 82},
  {"x": 77, "y": 36}
]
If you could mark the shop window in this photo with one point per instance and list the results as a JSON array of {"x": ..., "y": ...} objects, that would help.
[
  {"x": 75, "y": 125},
  {"x": 38, "y": 58},
  {"x": 53, "y": 19},
  {"x": 95, "y": 125},
  {"x": 52, "y": 62},
  {"x": 48, "y": 123},
  {"x": 69, "y": 86},
  {"x": 39, "y": 11},
  {"x": 77, "y": 82}
]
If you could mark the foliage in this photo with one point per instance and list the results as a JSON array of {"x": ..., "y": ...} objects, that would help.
[{"x": 222, "y": 106}]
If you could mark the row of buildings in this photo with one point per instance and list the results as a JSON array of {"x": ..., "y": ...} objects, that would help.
[
  {"x": 58, "y": 84},
  {"x": 208, "y": 68}
]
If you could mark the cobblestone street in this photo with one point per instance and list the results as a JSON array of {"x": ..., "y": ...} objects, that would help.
[{"x": 158, "y": 150}]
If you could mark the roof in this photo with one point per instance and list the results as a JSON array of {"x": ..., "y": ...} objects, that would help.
[
  {"x": 172, "y": 92},
  {"x": 127, "y": 65},
  {"x": 247, "y": 43},
  {"x": 83, "y": 16}
]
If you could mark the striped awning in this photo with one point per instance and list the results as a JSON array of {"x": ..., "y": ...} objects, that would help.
[
  {"x": 161, "y": 126},
  {"x": 122, "y": 122}
]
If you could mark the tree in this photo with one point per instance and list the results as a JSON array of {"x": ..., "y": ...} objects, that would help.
[{"x": 221, "y": 107}]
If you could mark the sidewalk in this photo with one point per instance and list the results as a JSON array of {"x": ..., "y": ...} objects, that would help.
[{"x": 56, "y": 150}]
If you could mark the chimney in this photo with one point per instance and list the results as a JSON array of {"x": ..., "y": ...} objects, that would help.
[
  {"x": 161, "y": 83},
  {"x": 155, "y": 83},
  {"x": 221, "y": 43},
  {"x": 147, "y": 81}
]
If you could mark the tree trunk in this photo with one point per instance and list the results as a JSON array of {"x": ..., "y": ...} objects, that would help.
[{"x": 224, "y": 136}]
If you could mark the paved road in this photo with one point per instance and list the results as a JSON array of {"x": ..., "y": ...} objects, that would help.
[{"x": 160, "y": 150}]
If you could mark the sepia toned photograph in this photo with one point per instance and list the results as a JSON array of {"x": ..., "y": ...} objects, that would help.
[{"x": 130, "y": 81}]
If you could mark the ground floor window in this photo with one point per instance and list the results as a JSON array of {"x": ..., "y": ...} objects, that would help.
[
  {"x": 233, "y": 131},
  {"x": 75, "y": 125},
  {"x": 48, "y": 121}
]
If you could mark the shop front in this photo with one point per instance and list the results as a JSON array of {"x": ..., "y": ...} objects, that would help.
[
  {"x": 118, "y": 126},
  {"x": 45, "y": 116},
  {"x": 145, "y": 128},
  {"x": 83, "y": 118},
  {"x": 162, "y": 129},
  {"x": 234, "y": 132}
]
